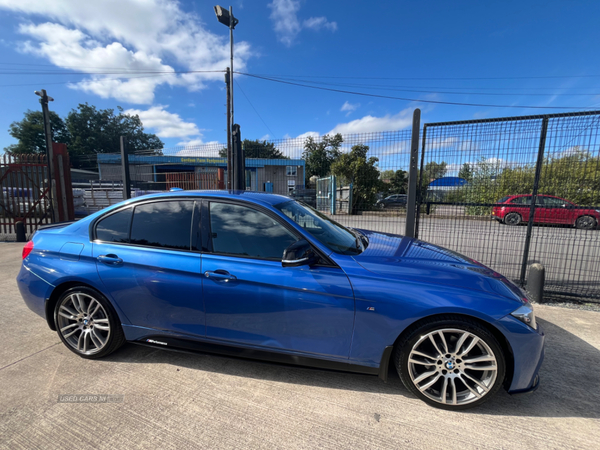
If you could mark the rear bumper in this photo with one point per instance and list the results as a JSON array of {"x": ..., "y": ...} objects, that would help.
[{"x": 34, "y": 290}]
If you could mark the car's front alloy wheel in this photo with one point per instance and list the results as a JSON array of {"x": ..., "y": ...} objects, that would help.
[
  {"x": 87, "y": 324},
  {"x": 451, "y": 363},
  {"x": 585, "y": 223}
]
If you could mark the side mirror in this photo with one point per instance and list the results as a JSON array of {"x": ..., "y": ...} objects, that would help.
[{"x": 300, "y": 253}]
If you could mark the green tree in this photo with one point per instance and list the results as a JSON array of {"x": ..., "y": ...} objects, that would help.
[
  {"x": 354, "y": 167},
  {"x": 29, "y": 132},
  {"x": 433, "y": 171},
  {"x": 319, "y": 155},
  {"x": 87, "y": 131},
  {"x": 466, "y": 172},
  {"x": 399, "y": 182},
  {"x": 258, "y": 149},
  {"x": 96, "y": 131}
]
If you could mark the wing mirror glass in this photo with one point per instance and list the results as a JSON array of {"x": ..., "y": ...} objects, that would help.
[{"x": 300, "y": 253}]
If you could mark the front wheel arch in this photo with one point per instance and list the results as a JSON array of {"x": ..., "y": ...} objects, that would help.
[{"x": 504, "y": 344}]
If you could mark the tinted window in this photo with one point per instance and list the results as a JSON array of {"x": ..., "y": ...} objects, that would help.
[
  {"x": 554, "y": 202},
  {"x": 239, "y": 230},
  {"x": 330, "y": 233},
  {"x": 521, "y": 201},
  {"x": 114, "y": 228},
  {"x": 503, "y": 199},
  {"x": 163, "y": 224}
]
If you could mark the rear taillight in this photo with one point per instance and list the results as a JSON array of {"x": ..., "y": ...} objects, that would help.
[{"x": 27, "y": 249}]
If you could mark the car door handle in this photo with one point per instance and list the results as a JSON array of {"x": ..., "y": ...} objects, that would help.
[
  {"x": 220, "y": 275},
  {"x": 110, "y": 259}
]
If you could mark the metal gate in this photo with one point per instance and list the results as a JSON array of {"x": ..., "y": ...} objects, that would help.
[
  {"x": 326, "y": 193},
  {"x": 25, "y": 192},
  {"x": 544, "y": 170}
]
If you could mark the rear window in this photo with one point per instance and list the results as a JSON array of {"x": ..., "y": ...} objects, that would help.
[
  {"x": 163, "y": 224},
  {"x": 503, "y": 199}
]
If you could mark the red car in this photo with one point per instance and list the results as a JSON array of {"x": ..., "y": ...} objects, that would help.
[{"x": 514, "y": 209}]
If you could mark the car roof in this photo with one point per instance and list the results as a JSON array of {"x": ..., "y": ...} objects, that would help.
[{"x": 255, "y": 197}]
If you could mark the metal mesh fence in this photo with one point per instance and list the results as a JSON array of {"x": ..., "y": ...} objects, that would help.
[
  {"x": 474, "y": 171},
  {"x": 347, "y": 175},
  {"x": 476, "y": 187}
]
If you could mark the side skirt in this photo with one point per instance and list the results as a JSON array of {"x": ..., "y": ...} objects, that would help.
[{"x": 191, "y": 346}]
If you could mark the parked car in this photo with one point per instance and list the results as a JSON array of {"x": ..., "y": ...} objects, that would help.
[
  {"x": 514, "y": 210},
  {"x": 262, "y": 276},
  {"x": 308, "y": 196},
  {"x": 392, "y": 201}
]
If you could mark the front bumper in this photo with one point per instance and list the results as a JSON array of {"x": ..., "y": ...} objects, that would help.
[{"x": 527, "y": 347}]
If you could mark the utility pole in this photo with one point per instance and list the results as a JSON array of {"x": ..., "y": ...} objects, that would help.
[
  {"x": 44, "y": 99},
  {"x": 226, "y": 18},
  {"x": 230, "y": 171}
]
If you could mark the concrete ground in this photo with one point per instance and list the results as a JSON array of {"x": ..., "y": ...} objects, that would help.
[{"x": 176, "y": 400}]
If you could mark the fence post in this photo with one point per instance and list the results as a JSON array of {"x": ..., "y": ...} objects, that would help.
[
  {"x": 333, "y": 192},
  {"x": 411, "y": 201},
  {"x": 536, "y": 183},
  {"x": 125, "y": 169},
  {"x": 350, "y": 195}
]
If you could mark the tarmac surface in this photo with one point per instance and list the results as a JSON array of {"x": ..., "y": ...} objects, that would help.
[{"x": 171, "y": 400}]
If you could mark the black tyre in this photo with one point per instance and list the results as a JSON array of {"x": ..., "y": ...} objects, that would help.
[
  {"x": 585, "y": 223},
  {"x": 513, "y": 219},
  {"x": 87, "y": 323},
  {"x": 381, "y": 205},
  {"x": 450, "y": 363}
]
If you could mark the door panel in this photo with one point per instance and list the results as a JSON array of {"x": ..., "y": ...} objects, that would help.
[
  {"x": 250, "y": 298},
  {"x": 293, "y": 308},
  {"x": 157, "y": 283},
  {"x": 155, "y": 288}
]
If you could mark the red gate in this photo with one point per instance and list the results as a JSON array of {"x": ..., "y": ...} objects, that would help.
[{"x": 25, "y": 191}]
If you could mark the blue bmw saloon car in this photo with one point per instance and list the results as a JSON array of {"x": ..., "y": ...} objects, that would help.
[{"x": 262, "y": 276}]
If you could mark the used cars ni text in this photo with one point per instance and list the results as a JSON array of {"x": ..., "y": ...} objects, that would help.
[{"x": 262, "y": 276}]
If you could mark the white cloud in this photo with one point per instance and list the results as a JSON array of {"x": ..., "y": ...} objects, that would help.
[
  {"x": 350, "y": 107},
  {"x": 371, "y": 124},
  {"x": 197, "y": 147},
  {"x": 317, "y": 23},
  {"x": 286, "y": 24},
  {"x": 148, "y": 36},
  {"x": 164, "y": 123}
]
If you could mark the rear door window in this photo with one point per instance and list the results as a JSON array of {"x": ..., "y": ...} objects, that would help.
[{"x": 163, "y": 224}]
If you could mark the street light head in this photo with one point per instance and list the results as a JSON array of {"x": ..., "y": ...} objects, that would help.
[
  {"x": 38, "y": 93},
  {"x": 50, "y": 99},
  {"x": 224, "y": 17}
]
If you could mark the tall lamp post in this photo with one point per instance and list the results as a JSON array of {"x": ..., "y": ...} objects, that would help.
[
  {"x": 226, "y": 18},
  {"x": 44, "y": 99}
]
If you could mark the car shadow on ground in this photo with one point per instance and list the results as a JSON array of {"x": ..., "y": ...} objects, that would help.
[{"x": 568, "y": 388}]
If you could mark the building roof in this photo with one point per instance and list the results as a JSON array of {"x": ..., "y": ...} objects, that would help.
[
  {"x": 252, "y": 196},
  {"x": 113, "y": 158}
]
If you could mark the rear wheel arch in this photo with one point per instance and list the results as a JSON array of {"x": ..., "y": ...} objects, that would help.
[
  {"x": 55, "y": 296},
  {"x": 504, "y": 344}
]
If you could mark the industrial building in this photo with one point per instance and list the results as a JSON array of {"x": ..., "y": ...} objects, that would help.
[{"x": 159, "y": 172}]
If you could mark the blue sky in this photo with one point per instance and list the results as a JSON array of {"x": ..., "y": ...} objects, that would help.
[{"x": 511, "y": 49}]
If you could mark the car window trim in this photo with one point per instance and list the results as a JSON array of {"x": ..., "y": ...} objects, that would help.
[{"x": 132, "y": 206}]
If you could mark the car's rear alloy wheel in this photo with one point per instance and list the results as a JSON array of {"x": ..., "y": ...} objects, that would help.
[
  {"x": 451, "y": 363},
  {"x": 586, "y": 223},
  {"x": 512, "y": 219},
  {"x": 87, "y": 323}
]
